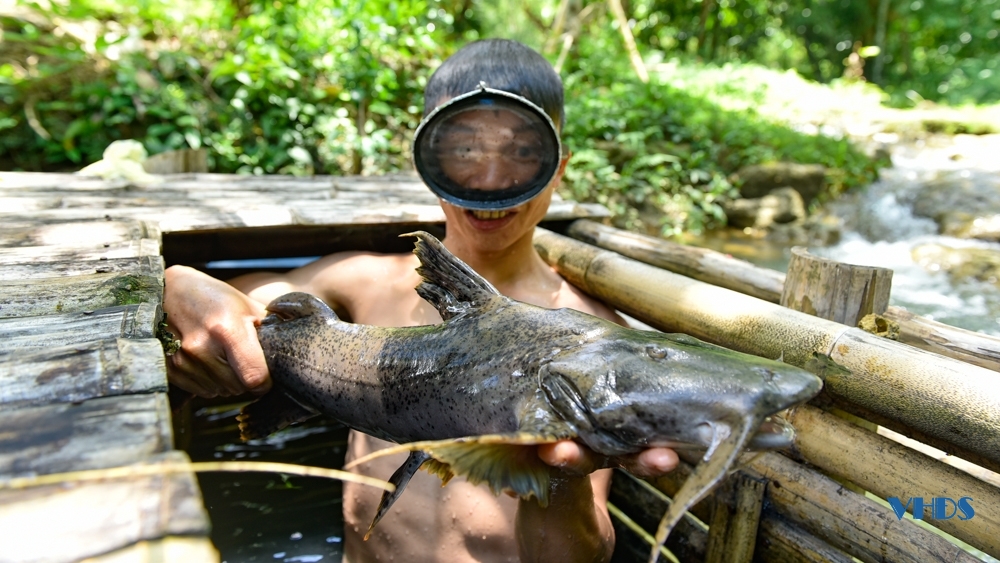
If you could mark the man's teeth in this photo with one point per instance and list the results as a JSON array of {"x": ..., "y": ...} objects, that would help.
[{"x": 489, "y": 214}]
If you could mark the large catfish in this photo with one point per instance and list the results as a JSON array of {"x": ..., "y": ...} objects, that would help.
[{"x": 471, "y": 395}]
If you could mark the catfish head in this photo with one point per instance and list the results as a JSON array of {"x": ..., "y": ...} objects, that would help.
[{"x": 630, "y": 390}]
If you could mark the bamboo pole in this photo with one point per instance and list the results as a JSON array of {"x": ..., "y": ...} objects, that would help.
[
  {"x": 724, "y": 271},
  {"x": 940, "y": 397},
  {"x": 888, "y": 469},
  {"x": 699, "y": 263},
  {"x": 848, "y": 521}
]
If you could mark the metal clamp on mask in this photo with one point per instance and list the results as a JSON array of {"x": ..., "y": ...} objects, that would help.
[{"x": 487, "y": 150}]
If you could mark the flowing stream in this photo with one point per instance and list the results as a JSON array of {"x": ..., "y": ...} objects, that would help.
[{"x": 880, "y": 229}]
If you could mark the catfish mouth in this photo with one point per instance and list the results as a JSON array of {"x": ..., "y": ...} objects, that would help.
[{"x": 774, "y": 433}]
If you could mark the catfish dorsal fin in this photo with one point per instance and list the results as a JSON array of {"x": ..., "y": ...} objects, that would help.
[{"x": 448, "y": 283}]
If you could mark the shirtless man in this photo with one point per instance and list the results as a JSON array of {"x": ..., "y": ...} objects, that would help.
[{"x": 492, "y": 145}]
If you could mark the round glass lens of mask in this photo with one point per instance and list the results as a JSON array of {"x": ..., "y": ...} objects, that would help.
[{"x": 487, "y": 150}]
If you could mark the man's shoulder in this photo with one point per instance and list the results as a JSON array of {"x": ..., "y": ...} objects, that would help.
[
  {"x": 357, "y": 263},
  {"x": 572, "y": 297}
]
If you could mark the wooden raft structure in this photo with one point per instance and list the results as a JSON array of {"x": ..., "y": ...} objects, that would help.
[{"x": 83, "y": 381}]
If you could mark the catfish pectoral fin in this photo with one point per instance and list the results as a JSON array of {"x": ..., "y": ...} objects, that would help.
[
  {"x": 503, "y": 461},
  {"x": 270, "y": 413},
  {"x": 400, "y": 478}
]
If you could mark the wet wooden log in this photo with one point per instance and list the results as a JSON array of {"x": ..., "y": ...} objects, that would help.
[
  {"x": 724, "y": 271},
  {"x": 888, "y": 469},
  {"x": 94, "y": 434},
  {"x": 130, "y": 321},
  {"x": 79, "y": 293},
  {"x": 72, "y": 521},
  {"x": 698, "y": 263},
  {"x": 955, "y": 402},
  {"x": 736, "y": 512},
  {"x": 71, "y": 374},
  {"x": 832, "y": 290}
]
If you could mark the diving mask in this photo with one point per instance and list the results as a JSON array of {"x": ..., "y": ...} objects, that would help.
[{"x": 487, "y": 150}]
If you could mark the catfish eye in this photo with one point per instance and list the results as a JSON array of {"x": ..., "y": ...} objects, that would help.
[{"x": 656, "y": 352}]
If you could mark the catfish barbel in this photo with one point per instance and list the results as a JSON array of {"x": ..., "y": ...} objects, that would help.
[{"x": 472, "y": 395}]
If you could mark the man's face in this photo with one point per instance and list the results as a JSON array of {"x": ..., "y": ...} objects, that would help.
[{"x": 493, "y": 150}]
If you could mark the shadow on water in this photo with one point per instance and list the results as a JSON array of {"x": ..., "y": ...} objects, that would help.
[{"x": 268, "y": 516}]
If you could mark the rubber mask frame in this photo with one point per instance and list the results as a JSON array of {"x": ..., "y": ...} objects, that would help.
[{"x": 428, "y": 164}]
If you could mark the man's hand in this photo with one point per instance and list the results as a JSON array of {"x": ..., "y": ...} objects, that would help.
[
  {"x": 220, "y": 353},
  {"x": 580, "y": 460}
]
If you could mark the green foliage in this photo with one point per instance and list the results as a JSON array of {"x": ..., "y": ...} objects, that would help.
[
  {"x": 277, "y": 87},
  {"x": 305, "y": 86},
  {"x": 662, "y": 162}
]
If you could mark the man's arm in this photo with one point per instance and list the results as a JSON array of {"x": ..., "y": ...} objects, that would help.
[
  {"x": 219, "y": 352},
  {"x": 216, "y": 324}
]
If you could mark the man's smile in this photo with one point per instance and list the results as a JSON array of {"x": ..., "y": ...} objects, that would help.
[{"x": 489, "y": 220}]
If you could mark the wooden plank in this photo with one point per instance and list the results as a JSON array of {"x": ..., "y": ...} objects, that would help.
[
  {"x": 23, "y": 271},
  {"x": 201, "y": 246},
  {"x": 20, "y": 230},
  {"x": 130, "y": 321},
  {"x": 170, "y": 549},
  {"x": 94, "y": 434},
  {"x": 28, "y": 298},
  {"x": 71, "y": 374},
  {"x": 84, "y": 250},
  {"x": 73, "y": 521}
]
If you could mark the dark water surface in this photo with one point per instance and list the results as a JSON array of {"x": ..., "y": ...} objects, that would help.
[{"x": 269, "y": 517}]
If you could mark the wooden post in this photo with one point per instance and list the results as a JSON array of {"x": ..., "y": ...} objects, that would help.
[
  {"x": 732, "y": 533},
  {"x": 833, "y": 290}
]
